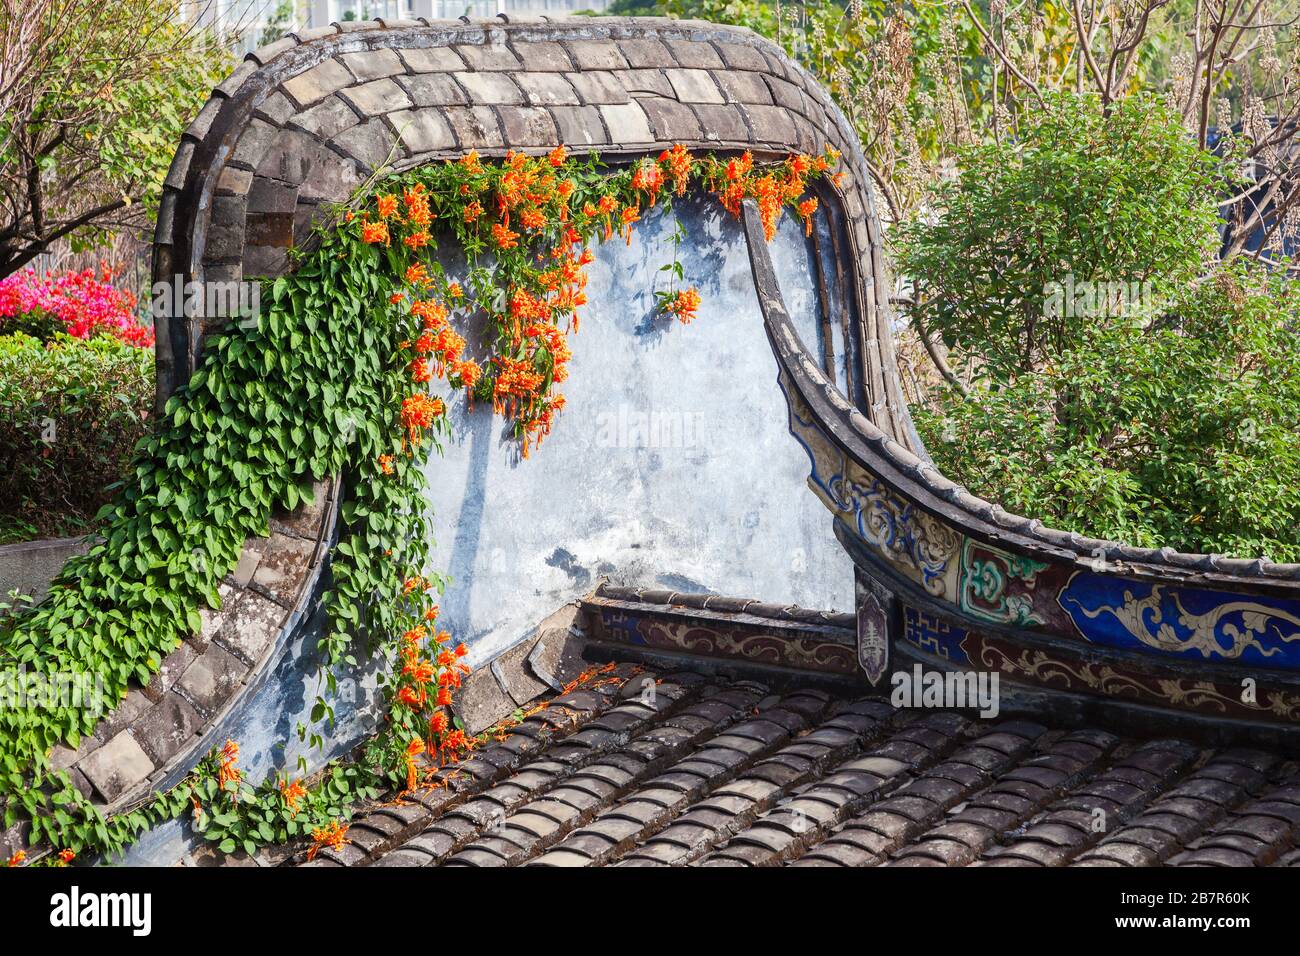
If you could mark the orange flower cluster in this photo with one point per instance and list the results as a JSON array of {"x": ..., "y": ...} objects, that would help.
[
  {"x": 424, "y": 687},
  {"x": 292, "y": 791},
  {"x": 228, "y": 771},
  {"x": 375, "y": 232},
  {"x": 413, "y": 750},
  {"x": 432, "y": 314},
  {"x": 806, "y": 210},
  {"x": 678, "y": 161},
  {"x": 738, "y": 180},
  {"x": 332, "y": 836},
  {"x": 417, "y": 206},
  {"x": 504, "y": 237},
  {"x": 685, "y": 304},
  {"x": 515, "y": 381},
  {"x": 418, "y": 413},
  {"x": 648, "y": 178}
]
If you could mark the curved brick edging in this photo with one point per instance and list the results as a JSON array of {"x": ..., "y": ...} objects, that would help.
[
  {"x": 155, "y": 736},
  {"x": 306, "y": 120}
]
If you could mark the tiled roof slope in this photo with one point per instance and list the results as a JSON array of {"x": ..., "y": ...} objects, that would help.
[{"x": 705, "y": 771}]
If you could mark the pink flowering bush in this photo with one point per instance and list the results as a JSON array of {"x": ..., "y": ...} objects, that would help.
[{"x": 81, "y": 304}]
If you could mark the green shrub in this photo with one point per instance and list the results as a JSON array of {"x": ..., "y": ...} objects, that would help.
[
  {"x": 1180, "y": 428},
  {"x": 1083, "y": 196},
  {"x": 71, "y": 412},
  {"x": 1169, "y": 417}
]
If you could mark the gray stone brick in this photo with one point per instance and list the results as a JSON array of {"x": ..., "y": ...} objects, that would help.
[
  {"x": 646, "y": 81},
  {"x": 373, "y": 64},
  {"x": 377, "y": 97},
  {"x": 627, "y": 124},
  {"x": 180, "y": 166},
  {"x": 694, "y": 86},
  {"x": 265, "y": 260},
  {"x": 784, "y": 94},
  {"x": 369, "y": 143},
  {"x": 771, "y": 125},
  {"x": 250, "y": 626},
  {"x": 233, "y": 182},
  {"x": 269, "y": 195},
  {"x": 476, "y": 127},
  {"x": 580, "y": 125},
  {"x": 117, "y": 766},
  {"x": 433, "y": 89},
  {"x": 203, "y": 122},
  {"x": 741, "y": 87},
  {"x": 741, "y": 56},
  {"x": 267, "y": 53},
  {"x": 646, "y": 52},
  {"x": 265, "y": 232},
  {"x": 275, "y": 109},
  {"x": 173, "y": 666},
  {"x": 210, "y": 681},
  {"x": 330, "y": 178},
  {"x": 283, "y": 565},
  {"x": 235, "y": 80},
  {"x": 694, "y": 54},
  {"x": 543, "y": 56},
  {"x": 61, "y": 757},
  {"x": 423, "y": 131},
  {"x": 431, "y": 59},
  {"x": 598, "y": 86},
  {"x": 307, "y": 519},
  {"x": 253, "y": 144},
  {"x": 226, "y": 231},
  {"x": 327, "y": 118},
  {"x": 595, "y": 54},
  {"x": 546, "y": 89},
  {"x": 490, "y": 88},
  {"x": 315, "y": 33},
  {"x": 168, "y": 726},
  {"x": 671, "y": 120},
  {"x": 527, "y": 126},
  {"x": 722, "y": 123},
  {"x": 489, "y": 56},
  {"x": 320, "y": 81}
]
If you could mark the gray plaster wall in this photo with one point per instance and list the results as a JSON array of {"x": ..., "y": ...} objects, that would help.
[
  {"x": 30, "y": 566},
  {"x": 671, "y": 466}
]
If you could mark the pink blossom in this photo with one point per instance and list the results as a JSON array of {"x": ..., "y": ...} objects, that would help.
[{"x": 84, "y": 303}]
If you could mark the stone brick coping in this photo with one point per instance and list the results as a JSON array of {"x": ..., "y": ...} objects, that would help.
[
  {"x": 303, "y": 122},
  {"x": 155, "y": 736}
]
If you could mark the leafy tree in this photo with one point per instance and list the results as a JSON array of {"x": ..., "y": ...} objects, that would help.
[
  {"x": 1166, "y": 415},
  {"x": 93, "y": 99},
  {"x": 1085, "y": 196},
  {"x": 1176, "y": 426}
]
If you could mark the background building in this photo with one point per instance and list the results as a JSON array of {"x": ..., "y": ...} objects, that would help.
[{"x": 251, "y": 23}]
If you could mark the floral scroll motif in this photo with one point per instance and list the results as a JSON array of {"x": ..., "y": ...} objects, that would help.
[
  {"x": 1188, "y": 622},
  {"x": 1188, "y": 694},
  {"x": 987, "y": 579},
  {"x": 905, "y": 535}
]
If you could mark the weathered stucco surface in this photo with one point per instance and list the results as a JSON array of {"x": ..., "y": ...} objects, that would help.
[{"x": 671, "y": 465}]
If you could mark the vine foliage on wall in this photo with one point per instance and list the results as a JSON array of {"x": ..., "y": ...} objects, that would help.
[{"x": 349, "y": 370}]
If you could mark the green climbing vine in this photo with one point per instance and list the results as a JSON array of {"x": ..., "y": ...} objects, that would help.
[{"x": 348, "y": 371}]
